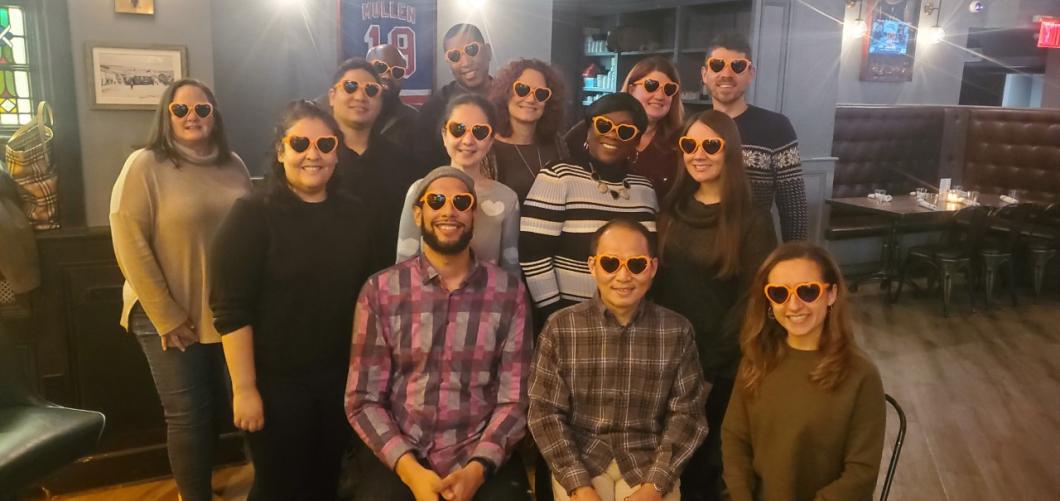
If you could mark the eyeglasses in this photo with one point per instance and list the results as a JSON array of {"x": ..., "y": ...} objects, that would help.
[
  {"x": 371, "y": 89},
  {"x": 461, "y": 201},
  {"x": 625, "y": 132},
  {"x": 808, "y": 292},
  {"x": 179, "y": 110},
  {"x": 710, "y": 145},
  {"x": 651, "y": 85},
  {"x": 395, "y": 71},
  {"x": 611, "y": 264},
  {"x": 541, "y": 94},
  {"x": 717, "y": 64},
  {"x": 479, "y": 131},
  {"x": 472, "y": 49},
  {"x": 324, "y": 144}
]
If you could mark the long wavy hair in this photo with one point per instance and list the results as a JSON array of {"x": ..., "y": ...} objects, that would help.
[
  {"x": 501, "y": 91},
  {"x": 672, "y": 122},
  {"x": 763, "y": 339},
  {"x": 161, "y": 139},
  {"x": 735, "y": 203},
  {"x": 276, "y": 185}
]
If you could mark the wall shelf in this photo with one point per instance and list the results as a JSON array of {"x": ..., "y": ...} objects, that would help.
[{"x": 597, "y": 89}]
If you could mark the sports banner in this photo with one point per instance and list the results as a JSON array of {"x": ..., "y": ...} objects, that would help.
[{"x": 408, "y": 25}]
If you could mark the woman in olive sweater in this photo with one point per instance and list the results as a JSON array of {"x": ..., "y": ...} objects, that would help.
[
  {"x": 807, "y": 415},
  {"x": 712, "y": 242}
]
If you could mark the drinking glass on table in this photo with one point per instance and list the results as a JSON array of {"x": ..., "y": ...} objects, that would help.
[
  {"x": 921, "y": 193},
  {"x": 972, "y": 198},
  {"x": 880, "y": 195}
]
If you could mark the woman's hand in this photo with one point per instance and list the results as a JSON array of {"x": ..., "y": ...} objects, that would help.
[
  {"x": 248, "y": 413},
  {"x": 180, "y": 338}
]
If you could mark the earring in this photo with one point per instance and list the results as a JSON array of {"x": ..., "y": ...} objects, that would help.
[{"x": 769, "y": 313}]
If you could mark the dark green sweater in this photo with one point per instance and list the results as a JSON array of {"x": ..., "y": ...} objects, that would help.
[
  {"x": 687, "y": 282},
  {"x": 795, "y": 441}
]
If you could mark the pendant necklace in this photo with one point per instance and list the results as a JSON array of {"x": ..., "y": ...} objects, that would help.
[
  {"x": 602, "y": 187},
  {"x": 540, "y": 163}
]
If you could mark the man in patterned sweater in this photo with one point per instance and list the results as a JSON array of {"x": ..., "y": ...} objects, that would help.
[{"x": 770, "y": 148}]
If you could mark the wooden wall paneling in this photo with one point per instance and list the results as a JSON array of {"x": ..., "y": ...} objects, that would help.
[
  {"x": 818, "y": 174},
  {"x": 770, "y": 47}
]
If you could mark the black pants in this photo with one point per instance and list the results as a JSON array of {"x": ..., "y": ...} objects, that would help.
[
  {"x": 509, "y": 483},
  {"x": 298, "y": 454},
  {"x": 701, "y": 480}
]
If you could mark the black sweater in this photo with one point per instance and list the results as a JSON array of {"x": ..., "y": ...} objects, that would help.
[
  {"x": 687, "y": 282},
  {"x": 292, "y": 271}
]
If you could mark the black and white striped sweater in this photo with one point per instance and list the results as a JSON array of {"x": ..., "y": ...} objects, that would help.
[{"x": 560, "y": 214}]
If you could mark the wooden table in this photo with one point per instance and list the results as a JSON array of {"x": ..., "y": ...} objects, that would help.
[{"x": 901, "y": 209}]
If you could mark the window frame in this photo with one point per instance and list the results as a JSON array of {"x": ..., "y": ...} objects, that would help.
[{"x": 38, "y": 72}]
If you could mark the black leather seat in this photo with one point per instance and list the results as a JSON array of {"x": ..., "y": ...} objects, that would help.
[{"x": 36, "y": 437}]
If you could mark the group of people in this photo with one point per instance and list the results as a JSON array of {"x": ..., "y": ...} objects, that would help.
[{"x": 442, "y": 281}]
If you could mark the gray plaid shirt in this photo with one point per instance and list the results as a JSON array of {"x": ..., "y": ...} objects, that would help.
[{"x": 600, "y": 391}]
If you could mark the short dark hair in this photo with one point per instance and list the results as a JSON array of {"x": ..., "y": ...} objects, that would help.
[
  {"x": 626, "y": 223},
  {"x": 354, "y": 63},
  {"x": 732, "y": 41},
  {"x": 475, "y": 100},
  {"x": 619, "y": 101},
  {"x": 466, "y": 29}
]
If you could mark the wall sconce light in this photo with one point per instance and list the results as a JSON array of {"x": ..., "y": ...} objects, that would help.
[
  {"x": 858, "y": 28},
  {"x": 933, "y": 34}
]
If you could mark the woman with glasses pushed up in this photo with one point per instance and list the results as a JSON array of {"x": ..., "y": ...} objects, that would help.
[
  {"x": 528, "y": 95},
  {"x": 467, "y": 130},
  {"x": 655, "y": 82},
  {"x": 711, "y": 243},
  {"x": 807, "y": 415},
  {"x": 290, "y": 260},
  {"x": 572, "y": 198},
  {"x": 165, "y": 206}
]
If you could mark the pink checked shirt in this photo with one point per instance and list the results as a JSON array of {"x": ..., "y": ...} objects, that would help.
[{"x": 440, "y": 373}]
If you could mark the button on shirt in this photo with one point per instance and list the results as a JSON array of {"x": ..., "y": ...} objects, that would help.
[
  {"x": 436, "y": 372},
  {"x": 601, "y": 391}
]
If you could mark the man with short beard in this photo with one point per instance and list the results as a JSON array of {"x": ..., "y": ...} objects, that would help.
[
  {"x": 439, "y": 363},
  {"x": 770, "y": 147},
  {"x": 397, "y": 121}
]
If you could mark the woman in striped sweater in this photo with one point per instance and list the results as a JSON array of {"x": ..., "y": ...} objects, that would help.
[{"x": 570, "y": 199}]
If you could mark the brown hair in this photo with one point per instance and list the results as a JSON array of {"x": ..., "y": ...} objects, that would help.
[
  {"x": 672, "y": 122},
  {"x": 735, "y": 204},
  {"x": 501, "y": 92},
  {"x": 763, "y": 340},
  {"x": 161, "y": 139},
  {"x": 276, "y": 185}
]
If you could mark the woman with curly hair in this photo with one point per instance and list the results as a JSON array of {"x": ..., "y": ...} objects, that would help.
[
  {"x": 806, "y": 418},
  {"x": 655, "y": 82},
  {"x": 528, "y": 95}
]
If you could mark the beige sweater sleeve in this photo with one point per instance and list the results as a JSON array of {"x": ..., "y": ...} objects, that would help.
[{"x": 132, "y": 214}]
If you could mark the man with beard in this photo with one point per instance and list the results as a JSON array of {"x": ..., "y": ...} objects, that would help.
[
  {"x": 770, "y": 147},
  {"x": 397, "y": 120},
  {"x": 469, "y": 57},
  {"x": 439, "y": 363},
  {"x": 370, "y": 167}
]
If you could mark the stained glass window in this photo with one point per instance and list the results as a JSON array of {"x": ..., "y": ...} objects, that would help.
[{"x": 16, "y": 99}]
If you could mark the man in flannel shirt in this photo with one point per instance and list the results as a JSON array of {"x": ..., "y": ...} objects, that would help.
[
  {"x": 438, "y": 366},
  {"x": 770, "y": 147},
  {"x": 617, "y": 394}
]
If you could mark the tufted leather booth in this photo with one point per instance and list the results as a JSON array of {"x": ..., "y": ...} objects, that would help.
[
  {"x": 881, "y": 147},
  {"x": 1009, "y": 149}
]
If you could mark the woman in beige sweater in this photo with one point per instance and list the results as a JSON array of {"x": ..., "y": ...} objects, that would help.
[
  {"x": 806, "y": 418},
  {"x": 165, "y": 207}
]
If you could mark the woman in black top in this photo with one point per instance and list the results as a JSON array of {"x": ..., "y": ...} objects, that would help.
[
  {"x": 529, "y": 96},
  {"x": 289, "y": 261},
  {"x": 711, "y": 243}
]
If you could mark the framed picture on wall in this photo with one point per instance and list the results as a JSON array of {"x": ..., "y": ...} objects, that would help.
[
  {"x": 135, "y": 6},
  {"x": 887, "y": 51},
  {"x": 132, "y": 77}
]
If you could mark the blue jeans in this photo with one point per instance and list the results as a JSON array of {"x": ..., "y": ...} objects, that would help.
[{"x": 193, "y": 389}]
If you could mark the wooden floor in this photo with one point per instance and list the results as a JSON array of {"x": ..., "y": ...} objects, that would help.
[{"x": 981, "y": 392}]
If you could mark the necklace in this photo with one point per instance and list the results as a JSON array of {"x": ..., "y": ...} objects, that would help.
[
  {"x": 527, "y": 164},
  {"x": 602, "y": 187}
]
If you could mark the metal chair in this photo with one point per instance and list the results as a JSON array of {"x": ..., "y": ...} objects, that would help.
[
  {"x": 897, "y": 450},
  {"x": 1009, "y": 224},
  {"x": 1043, "y": 242}
]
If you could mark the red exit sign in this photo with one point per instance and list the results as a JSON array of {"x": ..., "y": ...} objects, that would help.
[{"x": 1049, "y": 33}]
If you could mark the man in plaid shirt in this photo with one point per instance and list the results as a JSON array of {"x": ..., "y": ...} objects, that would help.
[
  {"x": 438, "y": 366},
  {"x": 616, "y": 389}
]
